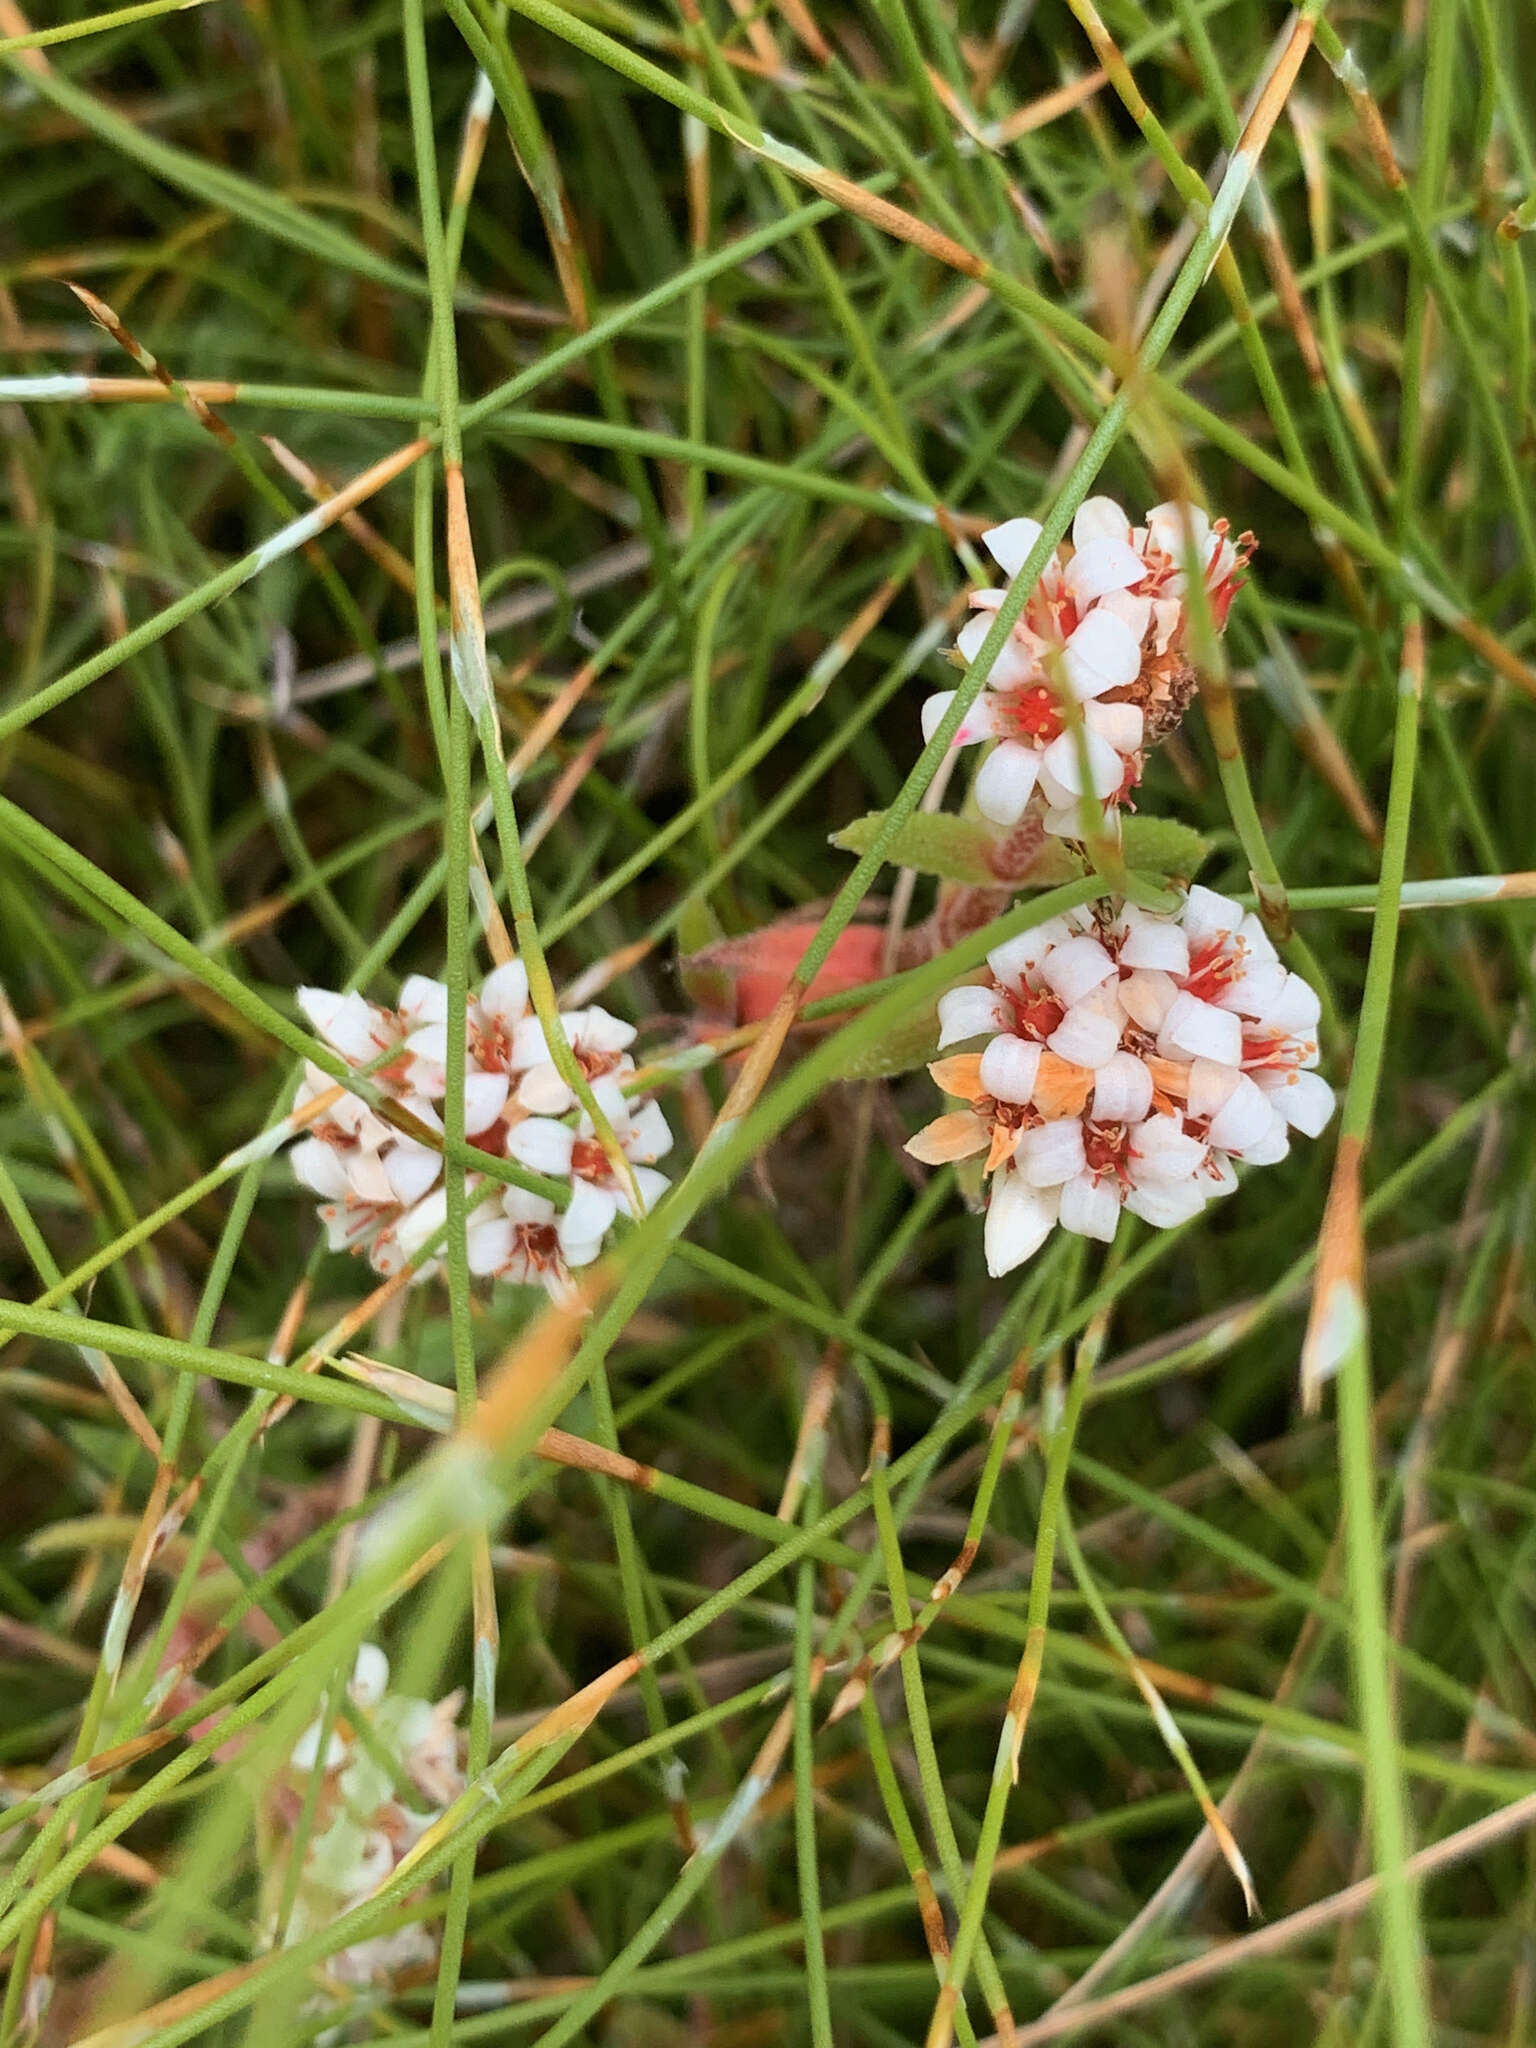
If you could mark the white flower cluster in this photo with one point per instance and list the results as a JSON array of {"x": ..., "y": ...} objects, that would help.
[
  {"x": 1131, "y": 1058},
  {"x": 362, "y": 1824},
  {"x": 1095, "y": 668},
  {"x": 381, "y": 1190}
]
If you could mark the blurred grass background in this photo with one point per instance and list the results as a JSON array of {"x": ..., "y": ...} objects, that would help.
[{"x": 718, "y": 430}]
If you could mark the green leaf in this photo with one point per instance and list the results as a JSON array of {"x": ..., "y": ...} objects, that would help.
[
  {"x": 935, "y": 843},
  {"x": 911, "y": 1043},
  {"x": 964, "y": 850},
  {"x": 1162, "y": 846}
]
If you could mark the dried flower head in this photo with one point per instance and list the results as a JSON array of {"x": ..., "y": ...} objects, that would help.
[
  {"x": 1131, "y": 1058},
  {"x": 363, "y": 1822},
  {"x": 1095, "y": 669}
]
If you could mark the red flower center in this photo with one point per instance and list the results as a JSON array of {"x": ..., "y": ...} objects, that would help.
[
  {"x": 1106, "y": 1149},
  {"x": 1033, "y": 713},
  {"x": 1035, "y": 1015},
  {"x": 1213, "y": 965},
  {"x": 492, "y": 1046},
  {"x": 589, "y": 1160},
  {"x": 540, "y": 1242}
]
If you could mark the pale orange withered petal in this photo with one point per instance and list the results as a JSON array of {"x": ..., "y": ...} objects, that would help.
[
  {"x": 1061, "y": 1089},
  {"x": 960, "y": 1074},
  {"x": 1169, "y": 1077},
  {"x": 1005, "y": 1142},
  {"x": 947, "y": 1138}
]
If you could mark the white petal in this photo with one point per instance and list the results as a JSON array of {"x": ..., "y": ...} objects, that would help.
[
  {"x": 541, "y": 1145},
  {"x": 1304, "y": 1100},
  {"x": 969, "y": 1012},
  {"x": 1218, "y": 1176},
  {"x": 345, "y": 1227},
  {"x": 1016, "y": 957},
  {"x": 367, "y": 1178},
  {"x": 1161, "y": 1151},
  {"x": 1051, "y": 1153},
  {"x": 345, "y": 1022},
  {"x": 1272, "y": 1147},
  {"x": 1090, "y": 1207},
  {"x": 528, "y": 1047},
  {"x": 1088, "y": 1034},
  {"x": 1012, "y": 667},
  {"x": 422, "y": 1222},
  {"x": 934, "y": 708},
  {"x": 1152, "y": 941},
  {"x": 1074, "y": 967},
  {"x": 484, "y": 1096},
  {"x": 650, "y": 1135},
  {"x": 575, "y": 1251},
  {"x": 370, "y": 1676},
  {"x": 1006, "y": 782},
  {"x": 306, "y": 1751},
  {"x": 1295, "y": 1010},
  {"x": 1257, "y": 943},
  {"x": 597, "y": 1030},
  {"x": 652, "y": 1186},
  {"x": 1166, "y": 1203},
  {"x": 521, "y": 1205},
  {"x": 1147, "y": 996},
  {"x": 1064, "y": 819},
  {"x": 423, "y": 1001},
  {"x": 1009, "y": 1066},
  {"x": 1063, "y": 763},
  {"x": 1208, "y": 916},
  {"x": 1168, "y": 617},
  {"x": 1019, "y": 1220},
  {"x": 1123, "y": 725},
  {"x": 1254, "y": 992},
  {"x": 1173, "y": 526},
  {"x": 429, "y": 1043},
  {"x": 1211, "y": 1085},
  {"x": 424, "y": 1113},
  {"x": 1010, "y": 543},
  {"x": 1100, "y": 566},
  {"x": 1122, "y": 1090},
  {"x": 412, "y": 1169},
  {"x": 489, "y": 1243},
  {"x": 319, "y": 1166},
  {"x": 1101, "y": 654},
  {"x": 982, "y": 721},
  {"x": 1243, "y": 1119},
  {"x": 1099, "y": 519},
  {"x": 1199, "y": 1030},
  {"x": 542, "y": 1091},
  {"x": 1137, "y": 612},
  {"x": 590, "y": 1213},
  {"x": 505, "y": 994}
]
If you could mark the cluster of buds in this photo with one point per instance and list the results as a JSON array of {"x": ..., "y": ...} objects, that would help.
[
  {"x": 381, "y": 1187},
  {"x": 1130, "y": 1059},
  {"x": 358, "y": 1823},
  {"x": 1096, "y": 668}
]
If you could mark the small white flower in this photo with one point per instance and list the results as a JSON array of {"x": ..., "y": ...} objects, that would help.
[
  {"x": 524, "y": 1239},
  {"x": 598, "y": 1043},
  {"x": 643, "y": 1135}
]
